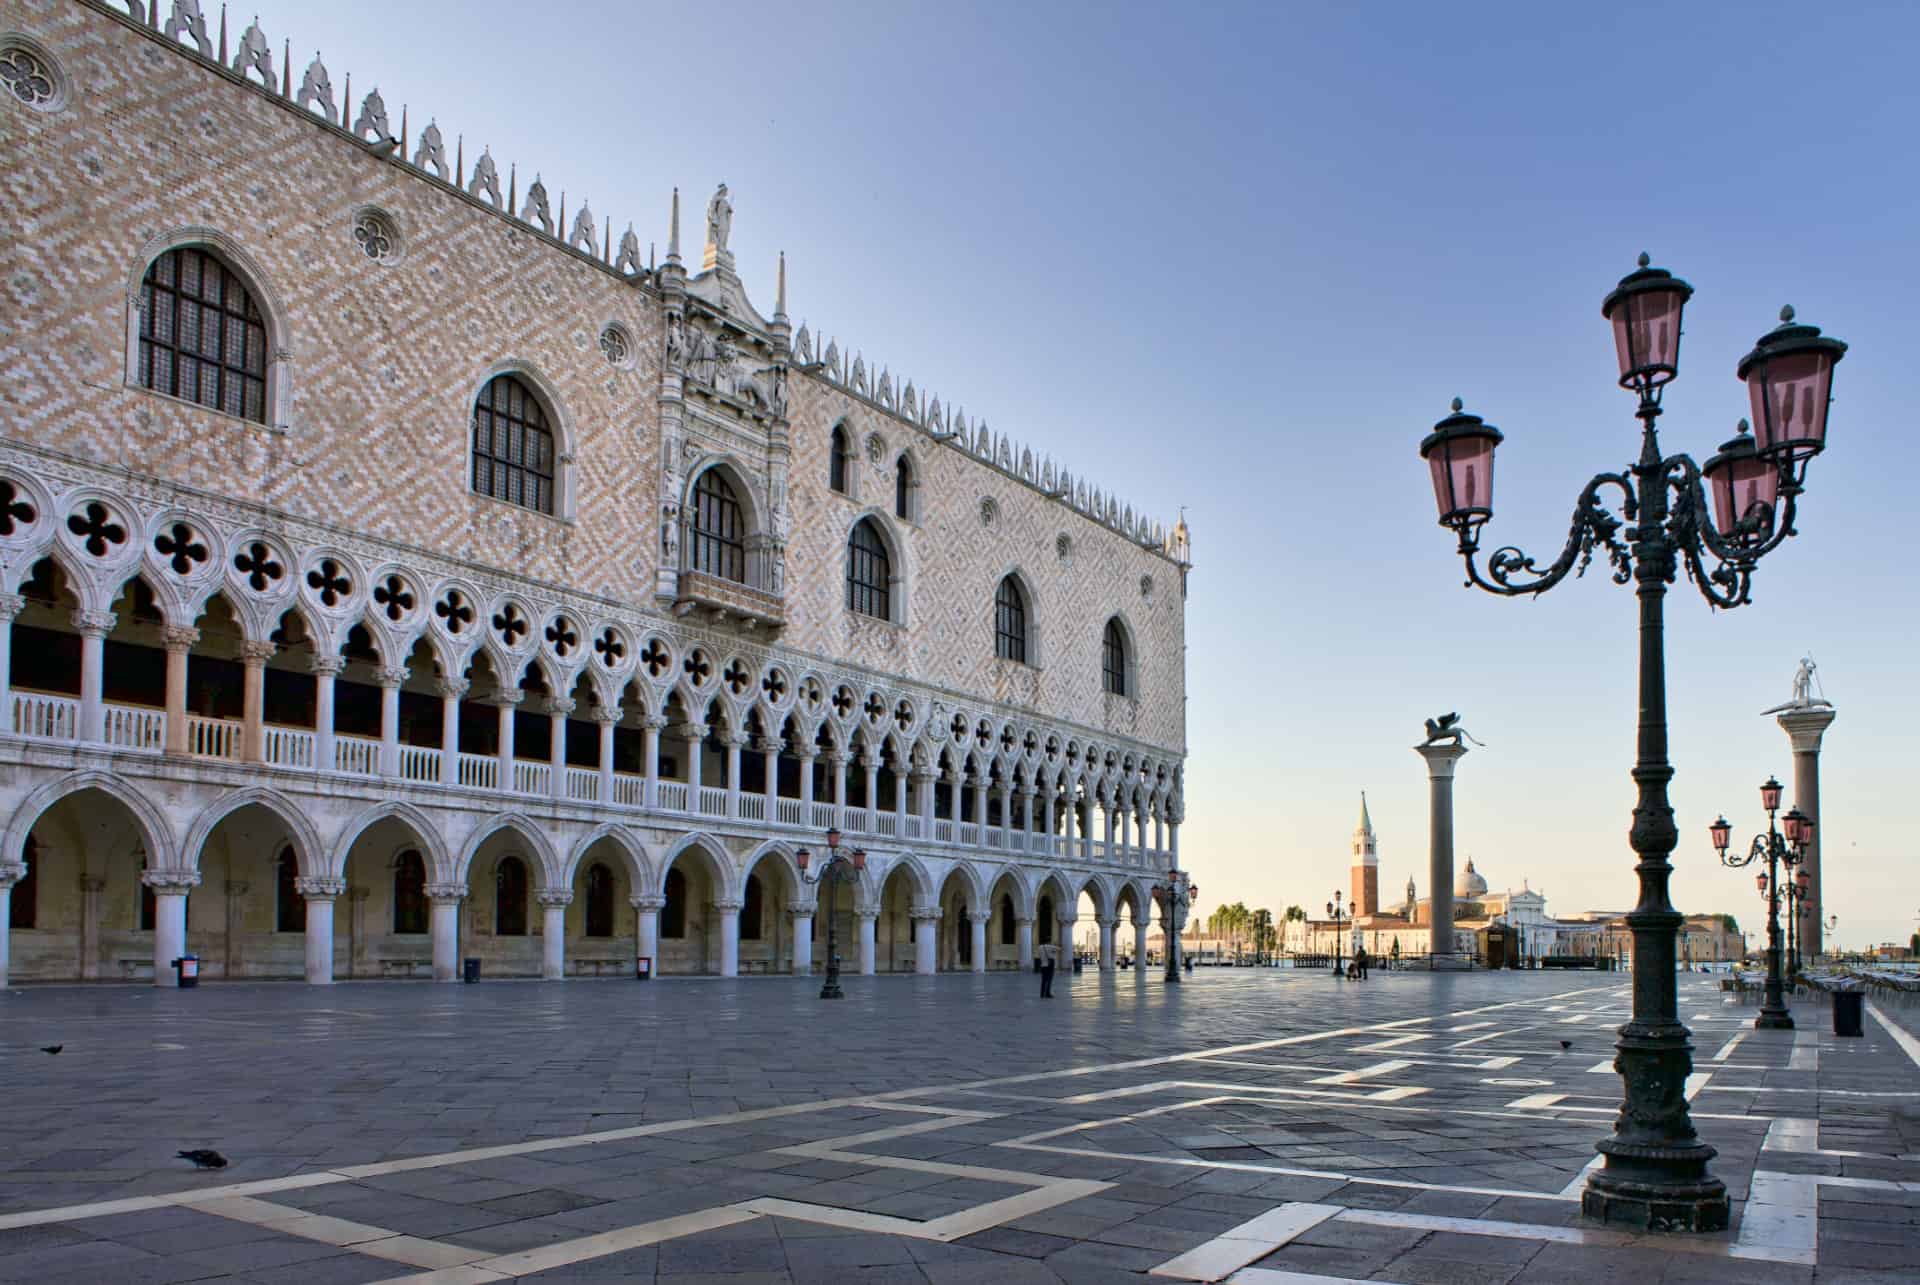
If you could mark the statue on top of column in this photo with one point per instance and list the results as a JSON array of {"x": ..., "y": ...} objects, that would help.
[{"x": 1803, "y": 697}]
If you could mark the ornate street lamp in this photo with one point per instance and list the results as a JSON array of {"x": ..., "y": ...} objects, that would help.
[
  {"x": 1339, "y": 915},
  {"x": 1656, "y": 1165},
  {"x": 836, "y": 870},
  {"x": 1176, "y": 897},
  {"x": 1777, "y": 848}
]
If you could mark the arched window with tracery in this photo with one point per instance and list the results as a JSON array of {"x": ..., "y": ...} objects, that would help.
[
  {"x": 1113, "y": 659},
  {"x": 409, "y": 893},
  {"x": 718, "y": 544},
  {"x": 752, "y": 909},
  {"x": 202, "y": 337},
  {"x": 673, "y": 915},
  {"x": 289, "y": 907},
  {"x": 510, "y": 898},
  {"x": 24, "y": 909},
  {"x": 839, "y": 460},
  {"x": 599, "y": 900},
  {"x": 869, "y": 572},
  {"x": 1010, "y": 621},
  {"x": 903, "y": 489},
  {"x": 513, "y": 456}
]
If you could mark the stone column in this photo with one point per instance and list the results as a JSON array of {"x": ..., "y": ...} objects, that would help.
[
  {"x": 729, "y": 916},
  {"x": 1063, "y": 939},
  {"x": 865, "y": 917},
  {"x": 557, "y": 711},
  {"x": 553, "y": 932},
  {"x": 230, "y": 938},
  {"x": 170, "y": 889},
  {"x": 178, "y": 642},
  {"x": 900, "y": 800},
  {"x": 806, "y": 754},
  {"x": 650, "y": 728},
  {"x": 10, "y": 874},
  {"x": 1023, "y": 934},
  {"x": 802, "y": 916},
  {"x": 736, "y": 741},
  {"x": 1006, "y": 816},
  {"x": 646, "y": 934},
  {"x": 325, "y": 670},
  {"x": 451, "y": 690},
  {"x": 1026, "y": 814},
  {"x": 91, "y": 886},
  {"x": 253, "y": 700},
  {"x": 10, "y": 606},
  {"x": 838, "y": 759},
  {"x": 1140, "y": 924},
  {"x": 871, "y": 761},
  {"x": 93, "y": 628},
  {"x": 769, "y": 747},
  {"x": 390, "y": 679},
  {"x": 1440, "y": 763},
  {"x": 922, "y": 778},
  {"x": 926, "y": 939},
  {"x": 977, "y": 926},
  {"x": 695, "y": 737},
  {"x": 507, "y": 701},
  {"x": 1068, "y": 819},
  {"x": 444, "y": 902},
  {"x": 319, "y": 893},
  {"x": 1107, "y": 809},
  {"x": 1108, "y": 960},
  {"x": 606, "y": 718},
  {"x": 1804, "y": 728}
]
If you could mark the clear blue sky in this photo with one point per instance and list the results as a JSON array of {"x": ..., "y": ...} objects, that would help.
[{"x": 1239, "y": 258}]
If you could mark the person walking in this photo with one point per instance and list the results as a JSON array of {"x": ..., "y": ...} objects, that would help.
[
  {"x": 1046, "y": 971},
  {"x": 1360, "y": 961}
]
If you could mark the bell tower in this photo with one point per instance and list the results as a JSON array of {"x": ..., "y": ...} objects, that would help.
[{"x": 1366, "y": 865}]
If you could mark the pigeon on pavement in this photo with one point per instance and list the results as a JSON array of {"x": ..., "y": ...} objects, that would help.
[
  {"x": 51, "y": 1048},
  {"x": 204, "y": 1159}
]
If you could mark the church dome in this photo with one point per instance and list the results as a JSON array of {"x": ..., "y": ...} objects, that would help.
[{"x": 1469, "y": 886}]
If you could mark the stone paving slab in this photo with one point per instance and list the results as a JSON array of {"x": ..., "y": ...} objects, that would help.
[{"x": 1276, "y": 1126}]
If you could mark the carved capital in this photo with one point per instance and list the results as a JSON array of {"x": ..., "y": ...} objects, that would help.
[
  {"x": 176, "y": 882},
  {"x": 93, "y": 624},
  {"x": 606, "y": 714},
  {"x": 768, "y": 744},
  {"x": 552, "y": 897},
  {"x": 924, "y": 914},
  {"x": 319, "y": 888},
  {"x": 11, "y": 873},
  {"x": 256, "y": 653},
  {"x": 806, "y": 753},
  {"x": 10, "y": 606},
  {"x": 838, "y": 758},
  {"x": 866, "y": 914},
  {"x": 450, "y": 687},
  {"x": 920, "y": 775},
  {"x": 654, "y": 722},
  {"x": 727, "y": 907},
  {"x": 392, "y": 676},
  {"x": 739, "y": 740},
  {"x": 442, "y": 893},
  {"x": 560, "y": 707},
  {"x": 326, "y": 666},
  {"x": 801, "y": 909},
  {"x": 981, "y": 917},
  {"x": 648, "y": 901},
  {"x": 506, "y": 697}
]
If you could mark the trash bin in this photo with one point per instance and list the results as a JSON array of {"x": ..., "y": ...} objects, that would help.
[
  {"x": 470, "y": 970},
  {"x": 187, "y": 973},
  {"x": 643, "y": 968},
  {"x": 1847, "y": 1007}
]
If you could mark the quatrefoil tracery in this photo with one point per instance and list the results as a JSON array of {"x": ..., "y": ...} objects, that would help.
[
  {"x": 330, "y": 583},
  {"x": 178, "y": 545},
  {"x": 610, "y": 648},
  {"x": 903, "y": 714},
  {"x": 876, "y": 709},
  {"x": 775, "y": 686},
  {"x": 656, "y": 657},
  {"x": 96, "y": 529},
  {"x": 698, "y": 667},
  {"x": 257, "y": 563},
  {"x": 736, "y": 677},
  {"x": 561, "y": 636},
  {"x": 842, "y": 701},
  {"x": 510, "y": 624},
  {"x": 455, "y": 612},
  {"x": 393, "y": 596},
  {"x": 14, "y": 511}
]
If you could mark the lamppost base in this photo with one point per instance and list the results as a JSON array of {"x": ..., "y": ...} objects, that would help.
[
  {"x": 1773, "y": 1020},
  {"x": 1664, "y": 1189},
  {"x": 832, "y": 991}
]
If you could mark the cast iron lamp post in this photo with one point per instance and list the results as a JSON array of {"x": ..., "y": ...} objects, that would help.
[
  {"x": 835, "y": 871},
  {"x": 1339, "y": 916},
  {"x": 1797, "y": 910},
  {"x": 1656, "y": 1173},
  {"x": 1176, "y": 897},
  {"x": 1777, "y": 849}
]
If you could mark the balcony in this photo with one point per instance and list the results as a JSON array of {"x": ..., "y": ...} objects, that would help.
[{"x": 723, "y": 601}]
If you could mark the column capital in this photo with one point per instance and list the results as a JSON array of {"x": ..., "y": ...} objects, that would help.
[
  {"x": 687, "y": 732},
  {"x": 445, "y": 892},
  {"x": 729, "y": 907},
  {"x": 178, "y": 640},
  {"x": 506, "y": 697},
  {"x": 1107, "y": 921},
  {"x": 769, "y": 744},
  {"x": 838, "y": 758},
  {"x": 980, "y": 917},
  {"x": 326, "y": 666},
  {"x": 654, "y": 722},
  {"x": 178, "y": 882},
  {"x": 738, "y": 740},
  {"x": 920, "y": 774},
  {"x": 451, "y": 687},
  {"x": 1805, "y": 727},
  {"x": 924, "y": 914},
  {"x": 1022, "y": 919},
  {"x": 560, "y": 707},
  {"x": 10, "y": 606},
  {"x": 1440, "y": 758},
  {"x": 390, "y": 675},
  {"x": 648, "y": 901},
  {"x": 606, "y": 714},
  {"x": 867, "y": 913},
  {"x": 806, "y": 753},
  {"x": 801, "y": 909},
  {"x": 319, "y": 888},
  {"x": 256, "y": 653},
  {"x": 93, "y": 624},
  {"x": 551, "y": 897},
  {"x": 11, "y": 873}
]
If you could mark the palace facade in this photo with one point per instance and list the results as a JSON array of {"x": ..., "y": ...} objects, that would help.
[{"x": 395, "y": 568}]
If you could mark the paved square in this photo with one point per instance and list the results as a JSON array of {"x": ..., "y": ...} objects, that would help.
[{"x": 1253, "y": 1126}]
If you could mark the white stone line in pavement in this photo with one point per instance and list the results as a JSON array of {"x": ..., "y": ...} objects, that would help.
[
  {"x": 1534, "y": 1101},
  {"x": 1806, "y": 1051},
  {"x": 1363, "y": 1073},
  {"x": 1469, "y": 1026},
  {"x": 1908, "y": 1045},
  {"x": 564, "y": 1253},
  {"x": 375, "y": 1242},
  {"x": 1602, "y": 1068},
  {"x": 1267, "y": 1276},
  {"x": 1726, "y": 1050},
  {"x": 1248, "y": 1243},
  {"x": 1394, "y": 1043}
]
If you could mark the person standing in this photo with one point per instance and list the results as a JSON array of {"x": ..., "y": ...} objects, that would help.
[
  {"x": 1360, "y": 961},
  {"x": 1046, "y": 971}
]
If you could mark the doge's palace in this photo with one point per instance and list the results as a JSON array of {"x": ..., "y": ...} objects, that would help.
[{"x": 397, "y": 568}]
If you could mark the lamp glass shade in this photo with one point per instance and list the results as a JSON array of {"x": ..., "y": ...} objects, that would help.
[
  {"x": 1722, "y": 832},
  {"x": 1743, "y": 483},
  {"x": 1794, "y": 826},
  {"x": 1770, "y": 795},
  {"x": 1760, "y": 880},
  {"x": 1646, "y": 334},
  {"x": 859, "y": 858},
  {"x": 833, "y": 838},
  {"x": 1789, "y": 377},
  {"x": 1805, "y": 881},
  {"x": 802, "y": 857},
  {"x": 1459, "y": 454}
]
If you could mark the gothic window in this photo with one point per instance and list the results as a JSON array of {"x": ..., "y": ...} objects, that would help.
[
  {"x": 719, "y": 537},
  {"x": 1010, "y": 621},
  {"x": 673, "y": 915},
  {"x": 869, "y": 572},
  {"x": 23, "y": 910},
  {"x": 1113, "y": 659},
  {"x": 409, "y": 893},
  {"x": 202, "y": 337},
  {"x": 513, "y": 455},
  {"x": 903, "y": 489},
  {"x": 751, "y": 909},
  {"x": 838, "y": 461},
  {"x": 1006, "y": 921},
  {"x": 289, "y": 907},
  {"x": 1046, "y": 921},
  {"x": 510, "y": 898},
  {"x": 599, "y": 901}
]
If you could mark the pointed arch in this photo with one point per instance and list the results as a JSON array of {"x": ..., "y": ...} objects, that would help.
[
  {"x": 710, "y": 849},
  {"x": 971, "y": 881},
  {"x": 308, "y": 850},
  {"x": 155, "y": 833},
  {"x": 1119, "y": 658},
  {"x": 780, "y": 853},
  {"x": 925, "y": 890},
  {"x": 1010, "y": 882},
  {"x": 519, "y": 823},
  {"x": 425, "y": 833},
  {"x": 1016, "y": 618},
  {"x": 554, "y": 421},
  {"x": 631, "y": 851},
  {"x": 876, "y": 568}
]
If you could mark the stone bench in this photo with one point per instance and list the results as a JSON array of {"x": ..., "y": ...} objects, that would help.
[
  {"x": 137, "y": 968},
  {"x": 402, "y": 967},
  {"x": 599, "y": 967}
]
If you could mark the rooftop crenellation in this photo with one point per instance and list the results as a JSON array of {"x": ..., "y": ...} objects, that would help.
[{"x": 252, "y": 62}]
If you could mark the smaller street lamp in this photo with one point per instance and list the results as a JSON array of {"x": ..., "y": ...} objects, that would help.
[
  {"x": 1176, "y": 897},
  {"x": 833, "y": 872},
  {"x": 1784, "y": 843},
  {"x": 1339, "y": 915}
]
